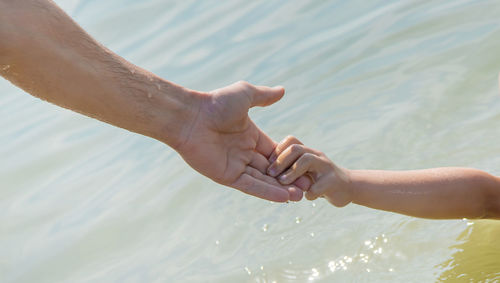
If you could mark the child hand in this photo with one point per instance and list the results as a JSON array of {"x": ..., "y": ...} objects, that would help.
[{"x": 329, "y": 181}]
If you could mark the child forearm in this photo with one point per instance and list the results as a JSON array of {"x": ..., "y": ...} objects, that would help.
[
  {"x": 439, "y": 193},
  {"x": 431, "y": 193}
]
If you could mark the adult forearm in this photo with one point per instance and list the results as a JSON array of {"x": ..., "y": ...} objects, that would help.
[
  {"x": 432, "y": 193},
  {"x": 44, "y": 52}
]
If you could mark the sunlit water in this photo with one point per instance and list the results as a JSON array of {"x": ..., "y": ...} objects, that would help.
[{"x": 374, "y": 84}]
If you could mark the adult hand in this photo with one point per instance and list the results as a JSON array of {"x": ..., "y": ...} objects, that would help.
[
  {"x": 226, "y": 146},
  {"x": 211, "y": 131}
]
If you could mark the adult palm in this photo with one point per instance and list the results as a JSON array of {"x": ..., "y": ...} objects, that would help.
[{"x": 226, "y": 146}]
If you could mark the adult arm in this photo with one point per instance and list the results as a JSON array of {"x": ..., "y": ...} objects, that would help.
[{"x": 44, "y": 52}]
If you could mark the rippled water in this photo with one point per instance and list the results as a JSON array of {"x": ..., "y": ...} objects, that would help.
[{"x": 374, "y": 84}]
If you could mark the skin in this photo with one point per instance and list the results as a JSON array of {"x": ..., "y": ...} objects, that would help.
[
  {"x": 44, "y": 52},
  {"x": 438, "y": 193}
]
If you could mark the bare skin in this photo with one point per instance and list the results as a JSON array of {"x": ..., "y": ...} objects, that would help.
[
  {"x": 438, "y": 193},
  {"x": 44, "y": 52}
]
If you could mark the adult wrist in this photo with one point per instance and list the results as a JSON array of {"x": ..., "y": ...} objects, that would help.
[{"x": 179, "y": 108}]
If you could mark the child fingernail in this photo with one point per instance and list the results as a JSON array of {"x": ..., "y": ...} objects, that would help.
[
  {"x": 282, "y": 178},
  {"x": 271, "y": 171},
  {"x": 272, "y": 158}
]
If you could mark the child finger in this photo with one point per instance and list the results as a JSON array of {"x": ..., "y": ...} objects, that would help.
[
  {"x": 317, "y": 189},
  {"x": 299, "y": 168},
  {"x": 310, "y": 196},
  {"x": 304, "y": 182},
  {"x": 286, "y": 142},
  {"x": 287, "y": 158}
]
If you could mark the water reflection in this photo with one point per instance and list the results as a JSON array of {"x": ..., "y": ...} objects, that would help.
[
  {"x": 472, "y": 259},
  {"x": 368, "y": 259}
]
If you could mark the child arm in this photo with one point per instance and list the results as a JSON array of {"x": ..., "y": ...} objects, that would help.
[{"x": 439, "y": 193}]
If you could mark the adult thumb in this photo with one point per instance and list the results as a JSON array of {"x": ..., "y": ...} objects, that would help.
[{"x": 264, "y": 96}]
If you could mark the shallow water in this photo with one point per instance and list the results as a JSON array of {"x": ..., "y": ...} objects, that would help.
[{"x": 384, "y": 84}]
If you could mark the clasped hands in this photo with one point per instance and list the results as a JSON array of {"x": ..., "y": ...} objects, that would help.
[{"x": 223, "y": 143}]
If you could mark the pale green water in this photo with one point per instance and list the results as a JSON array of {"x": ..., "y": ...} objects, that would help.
[{"x": 384, "y": 84}]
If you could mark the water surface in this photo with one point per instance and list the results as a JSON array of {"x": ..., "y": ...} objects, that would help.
[{"x": 375, "y": 85}]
